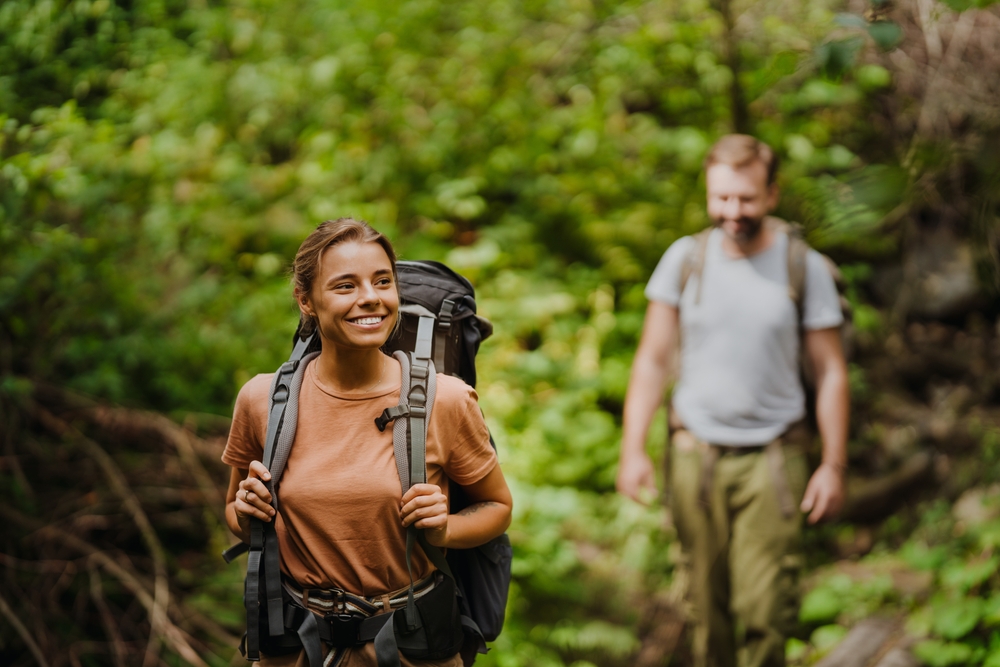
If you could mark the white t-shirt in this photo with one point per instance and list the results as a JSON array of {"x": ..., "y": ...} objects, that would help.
[{"x": 739, "y": 378}]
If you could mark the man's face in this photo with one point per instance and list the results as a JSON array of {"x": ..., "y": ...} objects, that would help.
[{"x": 739, "y": 198}]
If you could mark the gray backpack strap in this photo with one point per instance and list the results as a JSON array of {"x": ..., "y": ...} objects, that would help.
[
  {"x": 283, "y": 446},
  {"x": 409, "y": 439},
  {"x": 798, "y": 250},
  {"x": 694, "y": 262},
  {"x": 441, "y": 331},
  {"x": 421, "y": 399},
  {"x": 264, "y": 561}
]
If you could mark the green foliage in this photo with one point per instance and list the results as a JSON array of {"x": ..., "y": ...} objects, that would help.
[
  {"x": 160, "y": 161},
  {"x": 936, "y": 653}
]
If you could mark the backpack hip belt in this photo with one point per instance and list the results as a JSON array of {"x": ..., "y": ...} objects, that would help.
[
  {"x": 344, "y": 619},
  {"x": 325, "y": 601}
]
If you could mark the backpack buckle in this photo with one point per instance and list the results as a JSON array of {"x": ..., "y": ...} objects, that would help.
[
  {"x": 444, "y": 316},
  {"x": 343, "y": 629},
  {"x": 391, "y": 414}
]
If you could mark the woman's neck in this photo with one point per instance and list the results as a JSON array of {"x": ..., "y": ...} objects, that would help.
[{"x": 350, "y": 370}]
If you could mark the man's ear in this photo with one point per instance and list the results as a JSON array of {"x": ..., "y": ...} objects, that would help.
[{"x": 773, "y": 195}]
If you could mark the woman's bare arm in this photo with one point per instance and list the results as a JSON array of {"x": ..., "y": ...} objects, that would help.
[{"x": 426, "y": 506}]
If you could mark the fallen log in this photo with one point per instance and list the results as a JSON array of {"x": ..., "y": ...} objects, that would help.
[{"x": 870, "y": 500}]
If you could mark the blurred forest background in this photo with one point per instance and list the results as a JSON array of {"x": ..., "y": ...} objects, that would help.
[{"x": 161, "y": 160}]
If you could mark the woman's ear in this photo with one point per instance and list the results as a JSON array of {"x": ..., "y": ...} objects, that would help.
[{"x": 305, "y": 305}]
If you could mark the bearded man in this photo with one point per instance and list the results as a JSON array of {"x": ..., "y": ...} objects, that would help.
[{"x": 737, "y": 470}]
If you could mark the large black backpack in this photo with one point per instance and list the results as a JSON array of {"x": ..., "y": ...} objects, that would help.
[{"x": 439, "y": 330}]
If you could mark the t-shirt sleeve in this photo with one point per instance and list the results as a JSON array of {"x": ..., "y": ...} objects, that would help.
[
  {"x": 468, "y": 455},
  {"x": 249, "y": 428},
  {"x": 822, "y": 301},
  {"x": 665, "y": 283}
]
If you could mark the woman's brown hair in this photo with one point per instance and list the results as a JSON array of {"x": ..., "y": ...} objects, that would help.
[{"x": 330, "y": 233}]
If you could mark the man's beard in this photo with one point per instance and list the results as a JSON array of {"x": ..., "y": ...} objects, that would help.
[{"x": 750, "y": 228}]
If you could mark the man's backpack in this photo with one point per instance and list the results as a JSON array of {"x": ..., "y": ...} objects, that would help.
[
  {"x": 439, "y": 321},
  {"x": 694, "y": 264}
]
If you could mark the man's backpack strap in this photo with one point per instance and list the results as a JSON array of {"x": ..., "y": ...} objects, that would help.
[
  {"x": 694, "y": 262},
  {"x": 798, "y": 250}
]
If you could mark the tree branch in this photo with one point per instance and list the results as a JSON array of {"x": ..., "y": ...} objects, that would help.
[{"x": 26, "y": 637}]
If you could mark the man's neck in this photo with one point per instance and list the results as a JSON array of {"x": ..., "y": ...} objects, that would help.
[{"x": 759, "y": 243}]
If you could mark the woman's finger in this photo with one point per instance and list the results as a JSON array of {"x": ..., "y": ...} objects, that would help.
[
  {"x": 418, "y": 490},
  {"x": 258, "y": 469},
  {"x": 248, "y": 505},
  {"x": 257, "y": 488}
]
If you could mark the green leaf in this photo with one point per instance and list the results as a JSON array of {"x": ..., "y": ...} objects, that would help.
[
  {"x": 836, "y": 57},
  {"x": 821, "y": 605},
  {"x": 887, "y": 34},
  {"x": 956, "y": 618},
  {"x": 826, "y": 637},
  {"x": 934, "y": 653},
  {"x": 873, "y": 77},
  {"x": 850, "y": 21}
]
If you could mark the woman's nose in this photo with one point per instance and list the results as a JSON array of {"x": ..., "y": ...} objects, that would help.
[{"x": 368, "y": 294}]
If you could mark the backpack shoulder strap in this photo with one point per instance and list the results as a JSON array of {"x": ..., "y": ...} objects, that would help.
[
  {"x": 798, "y": 250},
  {"x": 264, "y": 559},
  {"x": 694, "y": 261}
]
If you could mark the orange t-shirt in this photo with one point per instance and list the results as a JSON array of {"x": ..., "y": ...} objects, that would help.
[{"x": 338, "y": 521}]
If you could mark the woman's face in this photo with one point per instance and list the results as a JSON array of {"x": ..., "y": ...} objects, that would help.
[{"x": 354, "y": 297}]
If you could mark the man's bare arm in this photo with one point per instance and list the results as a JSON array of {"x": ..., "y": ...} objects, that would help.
[
  {"x": 650, "y": 372},
  {"x": 825, "y": 493}
]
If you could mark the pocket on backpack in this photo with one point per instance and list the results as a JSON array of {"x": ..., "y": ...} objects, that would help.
[
  {"x": 488, "y": 583},
  {"x": 438, "y": 634}
]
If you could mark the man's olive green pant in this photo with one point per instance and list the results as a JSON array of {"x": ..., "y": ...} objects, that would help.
[{"x": 742, "y": 552}]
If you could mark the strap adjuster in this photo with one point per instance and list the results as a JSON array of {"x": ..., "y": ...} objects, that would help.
[
  {"x": 391, "y": 414},
  {"x": 343, "y": 630}
]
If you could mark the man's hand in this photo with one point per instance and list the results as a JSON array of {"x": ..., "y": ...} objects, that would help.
[
  {"x": 637, "y": 478},
  {"x": 824, "y": 494}
]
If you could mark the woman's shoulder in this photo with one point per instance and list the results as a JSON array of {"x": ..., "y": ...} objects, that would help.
[
  {"x": 255, "y": 392},
  {"x": 454, "y": 392}
]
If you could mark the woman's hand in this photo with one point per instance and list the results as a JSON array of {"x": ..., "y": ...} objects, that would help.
[
  {"x": 249, "y": 497},
  {"x": 426, "y": 507}
]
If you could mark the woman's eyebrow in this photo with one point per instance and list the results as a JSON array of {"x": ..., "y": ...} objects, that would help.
[{"x": 353, "y": 276}]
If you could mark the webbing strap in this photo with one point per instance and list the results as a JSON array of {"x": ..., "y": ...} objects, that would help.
[
  {"x": 386, "y": 652},
  {"x": 441, "y": 331},
  {"x": 776, "y": 465},
  {"x": 399, "y": 427},
  {"x": 694, "y": 263},
  {"x": 425, "y": 338},
  {"x": 264, "y": 559},
  {"x": 289, "y": 425},
  {"x": 308, "y": 632},
  {"x": 272, "y": 581},
  {"x": 797, "y": 252},
  {"x": 252, "y": 592}
]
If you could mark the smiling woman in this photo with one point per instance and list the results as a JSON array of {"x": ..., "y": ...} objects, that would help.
[{"x": 343, "y": 517}]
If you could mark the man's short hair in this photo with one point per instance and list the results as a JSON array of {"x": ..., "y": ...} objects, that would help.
[{"x": 739, "y": 150}]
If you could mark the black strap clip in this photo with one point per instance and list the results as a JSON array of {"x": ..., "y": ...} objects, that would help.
[
  {"x": 343, "y": 630},
  {"x": 391, "y": 414},
  {"x": 444, "y": 317}
]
